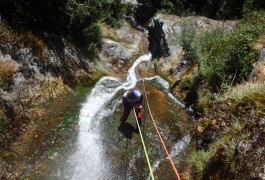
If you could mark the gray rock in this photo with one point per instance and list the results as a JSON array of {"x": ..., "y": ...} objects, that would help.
[
  {"x": 179, "y": 67},
  {"x": 120, "y": 46},
  {"x": 261, "y": 56},
  {"x": 167, "y": 31},
  {"x": 49, "y": 74},
  {"x": 116, "y": 50}
]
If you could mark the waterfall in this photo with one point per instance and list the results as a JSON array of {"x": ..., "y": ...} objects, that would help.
[{"x": 88, "y": 161}]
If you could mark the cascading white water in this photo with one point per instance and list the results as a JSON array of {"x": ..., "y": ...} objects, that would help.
[{"x": 87, "y": 162}]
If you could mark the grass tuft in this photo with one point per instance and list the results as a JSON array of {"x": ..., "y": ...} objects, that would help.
[
  {"x": 7, "y": 70},
  {"x": 244, "y": 90}
]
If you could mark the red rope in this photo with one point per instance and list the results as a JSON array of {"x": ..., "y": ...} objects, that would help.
[
  {"x": 159, "y": 135},
  {"x": 156, "y": 128}
]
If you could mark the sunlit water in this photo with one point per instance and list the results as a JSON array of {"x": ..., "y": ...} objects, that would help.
[
  {"x": 103, "y": 151},
  {"x": 88, "y": 160}
]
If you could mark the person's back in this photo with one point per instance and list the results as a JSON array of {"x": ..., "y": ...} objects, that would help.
[{"x": 132, "y": 99}]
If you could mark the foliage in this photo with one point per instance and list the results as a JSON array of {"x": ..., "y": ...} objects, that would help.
[
  {"x": 199, "y": 159},
  {"x": 245, "y": 90},
  {"x": 187, "y": 39},
  {"x": 114, "y": 13},
  {"x": 250, "y": 5},
  {"x": 217, "y": 9},
  {"x": 225, "y": 58},
  {"x": 75, "y": 19},
  {"x": 204, "y": 99},
  {"x": 93, "y": 51},
  {"x": 228, "y": 140}
]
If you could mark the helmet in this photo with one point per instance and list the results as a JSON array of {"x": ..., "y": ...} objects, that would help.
[{"x": 136, "y": 93}]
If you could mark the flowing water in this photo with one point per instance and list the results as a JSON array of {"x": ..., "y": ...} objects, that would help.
[
  {"x": 88, "y": 159},
  {"x": 105, "y": 150}
]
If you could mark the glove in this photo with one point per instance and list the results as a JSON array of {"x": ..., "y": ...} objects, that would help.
[{"x": 138, "y": 106}]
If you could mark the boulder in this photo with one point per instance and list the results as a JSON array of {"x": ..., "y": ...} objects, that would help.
[
  {"x": 120, "y": 45},
  {"x": 167, "y": 30},
  {"x": 115, "y": 50},
  {"x": 261, "y": 56}
]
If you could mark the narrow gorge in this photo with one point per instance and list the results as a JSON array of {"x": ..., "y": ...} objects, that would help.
[{"x": 61, "y": 94}]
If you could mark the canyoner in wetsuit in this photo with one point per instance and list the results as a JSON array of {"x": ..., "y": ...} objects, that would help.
[{"x": 132, "y": 99}]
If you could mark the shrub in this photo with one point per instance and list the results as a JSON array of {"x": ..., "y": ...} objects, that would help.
[
  {"x": 225, "y": 59},
  {"x": 93, "y": 51},
  {"x": 187, "y": 38},
  {"x": 92, "y": 34},
  {"x": 75, "y": 19},
  {"x": 114, "y": 13},
  {"x": 250, "y": 5},
  {"x": 247, "y": 89},
  {"x": 204, "y": 99},
  {"x": 199, "y": 159},
  {"x": 209, "y": 55}
]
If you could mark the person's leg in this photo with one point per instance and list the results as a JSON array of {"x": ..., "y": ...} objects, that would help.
[{"x": 126, "y": 113}]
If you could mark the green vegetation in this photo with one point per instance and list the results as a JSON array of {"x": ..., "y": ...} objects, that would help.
[
  {"x": 228, "y": 141},
  {"x": 224, "y": 58},
  {"x": 223, "y": 88},
  {"x": 75, "y": 19},
  {"x": 217, "y": 9},
  {"x": 187, "y": 40}
]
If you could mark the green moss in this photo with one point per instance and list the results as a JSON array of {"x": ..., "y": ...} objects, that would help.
[
  {"x": 205, "y": 99},
  {"x": 255, "y": 100},
  {"x": 199, "y": 159},
  {"x": 127, "y": 45}
]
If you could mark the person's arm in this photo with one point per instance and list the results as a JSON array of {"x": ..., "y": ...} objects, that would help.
[
  {"x": 124, "y": 98},
  {"x": 141, "y": 100}
]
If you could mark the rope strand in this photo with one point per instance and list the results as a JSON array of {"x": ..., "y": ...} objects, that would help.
[
  {"x": 160, "y": 137},
  {"x": 145, "y": 151},
  {"x": 151, "y": 115}
]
